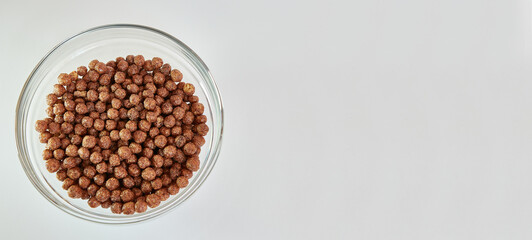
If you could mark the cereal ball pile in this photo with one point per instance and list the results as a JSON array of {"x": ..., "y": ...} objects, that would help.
[{"x": 125, "y": 134}]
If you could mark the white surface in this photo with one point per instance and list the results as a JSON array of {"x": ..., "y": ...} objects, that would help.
[{"x": 344, "y": 119}]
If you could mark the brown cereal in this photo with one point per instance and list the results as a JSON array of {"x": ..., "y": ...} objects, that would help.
[
  {"x": 143, "y": 162},
  {"x": 176, "y": 130},
  {"x": 138, "y": 60},
  {"x": 99, "y": 179},
  {"x": 127, "y": 195},
  {"x": 101, "y": 167},
  {"x": 158, "y": 161},
  {"x": 188, "y": 118},
  {"x": 189, "y": 149},
  {"x": 41, "y": 126},
  {"x": 128, "y": 182},
  {"x": 89, "y": 141},
  {"x": 107, "y": 204},
  {"x": 173, "y": 189},
  {"x": 133, "y": 114},
  {"x": 169, "y": 151},
  {"x": 148, "y": 174},
  {"x": 59, "y": 89},
  {"x": 199, "y": 141},
  {"x": 92, "y": 64},
  {"x": 84, "y": 194},
  {"x": 158, "y": 78},
  {"x": 202, "y": 129},
  {"x": 52, "y": 165},
  {"x": 153, "y": 200},
  {"x": 186, "y": 173},
  {"x": 87, "y": 122},
  {"x": 64, "y": 142},
  {"x": 82, "y": 70},
  {"x": 157, "y": 62},
  {"x": 54, "y": 143},
  {"x": 176, "y": 75},
  {"x": 125, "y": 134},
  {"x": 84, "y": 182},
  {"x": 75, "y": 191},
  {"x": 131, "y": 126},
  {"x": 129, "y": 207},
  {"x": 124, "y": 152},
  {"x": 168, "y": 162},
  {"x": 137, "y": 80},
  {"x": 112, "y": 113},
  {"x": 89, "y": 171},
  {"x": 163, "y": 194},
  {"x": 141, "y": 206},
  {"x": 197, "y": 108},
  {"x": 132, "y": 70},
  {"x": 135, "y": 148},
  {"x": 59, "y": 154},
  {"x": 182, "y": 182},
  {"x": 70, "y": 162},
  {"x": 145, "y": 187},
  {"x": 122, "y": 65},
  {"x": 137, "y": 191},
  {"x": 102, "y": 194},
  {"x": 92, "y": 75},
  {"x": 165, "y": 69},
  {"x": 92, "y": 188},
  {"x": 79, "y": 129},
  {"x": 112, "y": 183},
  {"x": 64, "y": 79},
  {"x": 110, "y": 125},
  {"x": 93, "y": 203},
  {"x": 115, "y": 196},
  {"x": 100, "y": 67},
  {"x": 188, "y": 89},
  {"x": 116, "y": 207},
  {"x": 139, "y": 136},
  {"x": 47, "y": 154},
  {"x": 193, "y": 163},
  {"x": 74, "y": 173},
  {"x": 157, "y": 183},
  {"x": 96, "y": 157},
  {"x": 67, "y": 182},
  {"x": 160, "y": 141},
  {"x": 158, "y": 171},
  {"x": 120, "y": 172},
  {"x": 180, "y": 141},
  {"x": 179, "y": 113}
]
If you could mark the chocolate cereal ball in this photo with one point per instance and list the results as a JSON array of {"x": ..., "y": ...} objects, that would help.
[
  {"x": 148, "y": 174},
  {"x": 193, "y": 163},
  {"x": 141, "y": 206},
  {"x": 153, "y": 200},
  {"x": 127, "y": 195},
  {"x": 75, "y": 191},
  {"x": 116, "y": 207},
  {"x": 125, "y": 134},
  {"x": 102, "y": 194},
  {"x": 128, "y": 208},
  {"x": 189, "y": 149},
  {"x": 182, "y": 182},
  {"x": 112, "y": 184}
]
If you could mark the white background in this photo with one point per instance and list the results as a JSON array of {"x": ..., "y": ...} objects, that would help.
[{"x": 346, "y": 119}]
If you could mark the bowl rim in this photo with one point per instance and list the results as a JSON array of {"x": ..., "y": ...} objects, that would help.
[{"x": 24, "y": 158}]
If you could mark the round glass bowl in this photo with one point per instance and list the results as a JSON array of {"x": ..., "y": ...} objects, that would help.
[{"x": 106, "y": 43}]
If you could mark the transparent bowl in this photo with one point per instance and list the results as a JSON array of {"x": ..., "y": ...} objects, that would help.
[{"x": 106, "y": 43}]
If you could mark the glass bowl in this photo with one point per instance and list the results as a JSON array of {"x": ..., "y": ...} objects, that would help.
[{"x": 106, "y": 43}]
